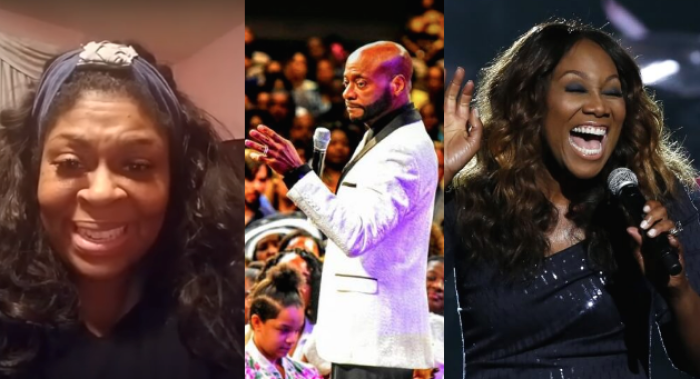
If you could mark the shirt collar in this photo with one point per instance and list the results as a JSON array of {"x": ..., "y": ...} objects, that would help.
[
  {"x": 387, "y": 118},
  {"x": 265, "y": 364}
]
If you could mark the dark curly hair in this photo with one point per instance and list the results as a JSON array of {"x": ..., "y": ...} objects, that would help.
[
  {"x": 505, "y": 214},
  {"x": 195, "y": 266},
  {"x": 315, "y": 269}
]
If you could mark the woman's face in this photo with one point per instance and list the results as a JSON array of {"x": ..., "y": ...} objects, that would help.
[
  {"x": 435, "y": 281},
  {"x": 585, "y": 110},
  {"x": 260, "y": 183},
  {"x": 104, "y": 185},
  {"x": 256, "y": 187},
  {"x": 339, "y": 148},
  {"x": 302, "y": 128},
  {"x": 276, "y": 337},
  {"x": 267, "y": 248},
  {"x": 324, "y": 72}
]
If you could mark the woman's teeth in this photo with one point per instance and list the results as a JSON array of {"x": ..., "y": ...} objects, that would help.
[
  {"x": 102, "y": 235},
  {"x": 585, "y": 151},
  {"x": 588, "y": 140},
  {"x": 590, "y": 130}
]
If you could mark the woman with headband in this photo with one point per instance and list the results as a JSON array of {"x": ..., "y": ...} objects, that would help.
[{"x": 119, "y": 218}]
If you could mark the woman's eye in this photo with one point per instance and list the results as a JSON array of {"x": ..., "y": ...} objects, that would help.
[
  {"x": 616, "y": 93},
  {"x": 68, "y": 164},
  {"x": 138, "y": 167},
  {"x": 576, "y": 89}
]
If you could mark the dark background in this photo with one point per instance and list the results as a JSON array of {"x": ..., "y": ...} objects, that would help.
[{"x": 354, "y": 22}]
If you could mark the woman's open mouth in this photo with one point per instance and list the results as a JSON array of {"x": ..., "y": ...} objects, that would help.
[
  {"x": 99, "y": 240},
  {"x": 588, "y": 140}
]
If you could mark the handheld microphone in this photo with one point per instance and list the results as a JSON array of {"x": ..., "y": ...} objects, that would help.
[
  {"x": 624, "y": 185},
  {"x": 322, "y": 137}
]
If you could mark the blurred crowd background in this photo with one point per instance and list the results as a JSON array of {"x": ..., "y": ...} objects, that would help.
[{"x": 294, "y": 63}]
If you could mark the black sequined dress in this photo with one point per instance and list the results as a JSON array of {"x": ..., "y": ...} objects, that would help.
[{"x": 571, "y": 321}]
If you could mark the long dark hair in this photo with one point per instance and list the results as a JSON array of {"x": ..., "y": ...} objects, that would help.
[
  {"x": 503, "y": 212},
  {"x": 195, "y": 266}
]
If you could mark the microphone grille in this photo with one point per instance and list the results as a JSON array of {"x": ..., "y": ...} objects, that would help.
[
  {"x": 620, "y": 178},
  {"x": 322, "y": 137}
]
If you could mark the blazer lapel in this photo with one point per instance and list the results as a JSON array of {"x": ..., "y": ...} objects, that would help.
[{"x": 410, "y": 116}]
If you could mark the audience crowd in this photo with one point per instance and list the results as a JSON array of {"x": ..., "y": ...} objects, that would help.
[{"x": 294, "y": 92}]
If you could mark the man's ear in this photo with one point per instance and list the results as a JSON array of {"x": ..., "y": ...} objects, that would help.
[{"x": 398, "y": 84}]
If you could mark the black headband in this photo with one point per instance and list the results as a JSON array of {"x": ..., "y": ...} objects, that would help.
[{"x": 109, "y": 55}]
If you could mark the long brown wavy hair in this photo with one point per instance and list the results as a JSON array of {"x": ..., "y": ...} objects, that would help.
[
  {"x": 195, "y": 267},
  {"x": 505, "y": 216}
]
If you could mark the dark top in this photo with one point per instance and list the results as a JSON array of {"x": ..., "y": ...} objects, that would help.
[
  {"x": 144, "y": 345},
  {"x": 571, "y": 321}
]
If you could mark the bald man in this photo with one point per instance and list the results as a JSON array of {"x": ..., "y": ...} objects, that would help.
[{"x": 373, "y": 309}]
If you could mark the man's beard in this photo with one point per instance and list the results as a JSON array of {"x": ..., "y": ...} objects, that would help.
[{"x": 373, "y": 111}]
